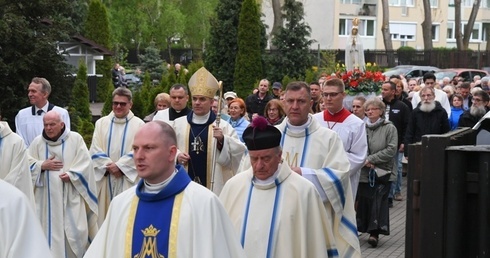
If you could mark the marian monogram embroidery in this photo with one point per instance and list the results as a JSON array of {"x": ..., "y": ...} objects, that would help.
[
  {"x": 149, "y": 247},
  {"x": 292, "y": 159}
]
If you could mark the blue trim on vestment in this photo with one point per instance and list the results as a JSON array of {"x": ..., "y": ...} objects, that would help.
[
  {"x": 110, "y": 137},
  {"x": 177, "y": 185},
  {"x": 332, "y": 253},
  {"x": 273, "y": 219},
  {"x": 85, "y": 183},
  {"x": 305, "y": 147},
  {"x": 124, "y": 137},
  {"x": 245, "y": 220},
  {"x": 351, "y": 226},
  {"x": 99, "y": 155},
  {"x": 131, "y": 155},
  {"x": 49, "y": 197},
  {"x": 337, "y": 183}
]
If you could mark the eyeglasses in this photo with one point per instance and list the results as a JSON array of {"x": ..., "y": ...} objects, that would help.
[
  {"x": 476, "y": 100},
  {"x": 330, "y": 94},
  {"x": 272, "y": 109},
  {"x": 371, "y": 109},
  {"x": 116, "y": 103}
]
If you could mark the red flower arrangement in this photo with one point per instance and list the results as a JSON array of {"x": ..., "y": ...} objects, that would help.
[{"x": 357, "y": 81}]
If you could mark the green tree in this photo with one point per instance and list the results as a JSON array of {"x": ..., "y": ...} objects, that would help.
[
  {"x": 79, "y": 96},
  {"x": 292, "y": 56},
  {"x": 248, "y": 65},
  {"x": 107, "y": 108},
  {"x": 152, "y": 63},
  {"x": 97, "y": 29},
  {"x": 197, "y": 11},
  {"x": 222, "y": 49},
  {"x": 29, "y": 31}
]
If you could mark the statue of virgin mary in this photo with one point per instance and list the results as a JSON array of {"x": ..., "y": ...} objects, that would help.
[{"x": 354, "y": 52}]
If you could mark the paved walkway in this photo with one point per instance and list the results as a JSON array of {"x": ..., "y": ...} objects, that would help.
[{"x": 393, "y": 245}]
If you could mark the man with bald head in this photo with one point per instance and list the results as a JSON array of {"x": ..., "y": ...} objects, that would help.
[
  {"x": 166, "y": 214},
  {"x": 64, "y": 190}
]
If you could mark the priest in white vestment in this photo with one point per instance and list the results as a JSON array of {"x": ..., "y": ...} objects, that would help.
[
  {"x": 14, "y": 165},
  {"x": 211, "y": 153},
  {"x": 111, "y": 150},
  {"x": 165, "y": 214},
  {"x": 350, "y": 128},
  {"x": 318, "y": 154},
  {"x": 21, "y": 234},
  {"x": 64, "y": 189},
  {"x": 275, "y": 211}
]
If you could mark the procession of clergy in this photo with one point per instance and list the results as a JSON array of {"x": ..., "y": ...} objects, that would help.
[{"x": 182, "y": 185}]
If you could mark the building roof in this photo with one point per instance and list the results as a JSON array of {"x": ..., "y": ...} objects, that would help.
[{"x": 87, "y": 42}]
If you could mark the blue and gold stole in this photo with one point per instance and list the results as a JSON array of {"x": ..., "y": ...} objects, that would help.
[{"x": 153, "y": 220}]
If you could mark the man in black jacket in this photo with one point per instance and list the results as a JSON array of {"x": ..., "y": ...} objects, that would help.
[
  {"x": 429, "y": 117},
  {"x": 256, "y": 102},
  {"x": 398, "y": 113},
  {"x": 479, "y": 108}
]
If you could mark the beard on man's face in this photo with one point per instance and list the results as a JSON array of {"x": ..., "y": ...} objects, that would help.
[
  {"x": 477, "y": 111},
  {"x": 427, "y": 106}
]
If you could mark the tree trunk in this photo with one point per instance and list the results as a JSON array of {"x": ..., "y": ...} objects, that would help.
[
  {"x": 457, "y": 25},
  {"x": 471, "y": 22},
  {"x": 276, "y": 9},
  {"x": 487, "y": 29},
  {"x": 385, "y": 30},
  {"x": 427, "y": 25}
]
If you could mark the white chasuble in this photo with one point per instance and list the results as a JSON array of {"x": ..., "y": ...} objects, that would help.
[
  {"x": 320, "y": 154},
  {"x": 67, "y": 210},
  {"x": 22, "y": 235},
  {"x": 182, "y": 220},
  {"x": 14, "y": 165},
  {"x": 113, "y": 142},
  {"x": 284, "y": 218}
]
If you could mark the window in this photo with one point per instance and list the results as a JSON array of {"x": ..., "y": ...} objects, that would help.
[
  {"x": 435, "y": 32},
  {"x": 475, "y": 33},
  {"x": 450, "y": 30},
  {"x": 433, "y": 3},
  {"x": 467, "y": 3},
  {"x": 366, "y": 27},
  {"x": 401, "y": 2},
  {"x": 350, "y": 1},
  {"x": 403, "y": 31}
]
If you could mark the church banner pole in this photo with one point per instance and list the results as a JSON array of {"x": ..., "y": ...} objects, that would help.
[{"x": 218, "y": 119}]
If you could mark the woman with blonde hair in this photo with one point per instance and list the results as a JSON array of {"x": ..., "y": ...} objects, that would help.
[{"x": 161, "y": 102}]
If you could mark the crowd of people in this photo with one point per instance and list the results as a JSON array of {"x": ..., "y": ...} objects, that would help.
[{"x": 288, "y": 174}]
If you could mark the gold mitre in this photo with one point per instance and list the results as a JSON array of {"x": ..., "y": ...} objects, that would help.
[{"x": 203, "y": 83}]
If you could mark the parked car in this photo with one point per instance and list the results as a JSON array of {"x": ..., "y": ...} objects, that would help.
[
  {"x": 408, "y": 72},
  {"x": 466, "y": 73},
  {"x": 132, "y": 80}
]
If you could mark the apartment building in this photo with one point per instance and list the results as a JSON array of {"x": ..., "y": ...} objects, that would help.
[{"x": 331, "y": 22}]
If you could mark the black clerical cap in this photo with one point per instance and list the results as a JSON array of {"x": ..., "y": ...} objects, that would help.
[{"x": 260, "y": 136}]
